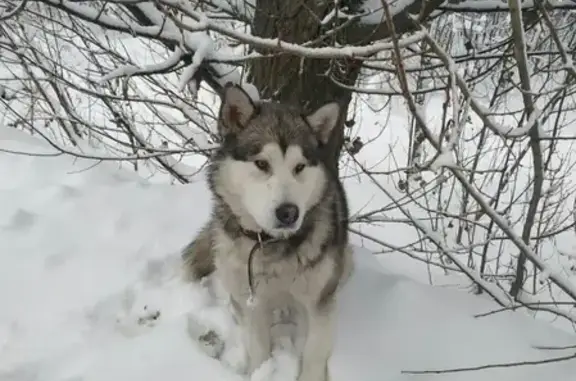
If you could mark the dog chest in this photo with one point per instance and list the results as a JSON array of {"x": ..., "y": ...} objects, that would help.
[{"x": 269, "y": 272}]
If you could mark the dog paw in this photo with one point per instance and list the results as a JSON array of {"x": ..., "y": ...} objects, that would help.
[
  {"x": 314, "y": 376},
  {"x": 235, "y": 357},
  {"x": 282, "y": 366},
  {"x": 207, "y": 339}
]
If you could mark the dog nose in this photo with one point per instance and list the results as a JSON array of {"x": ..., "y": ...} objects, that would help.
[{"x": 287, "y": 213}]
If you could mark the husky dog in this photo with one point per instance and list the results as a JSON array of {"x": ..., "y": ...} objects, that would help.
[{"x": 278, "y": 230}]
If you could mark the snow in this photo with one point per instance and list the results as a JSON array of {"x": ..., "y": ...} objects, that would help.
[
  {"x": 199, "y": 55},
  {"x": 493, "y": 5},
  {"x": 444, "y": 159},
  {"x": 375, "y": 11},
  {"x": 244, "y": 9},
  {"x": 90, "y": 290},
  {"x": 89, "y": 13},
  {"x": 130, "y": 70},
  {"x": 349, "y": 51},
  {"x": 11, "y": 11}
]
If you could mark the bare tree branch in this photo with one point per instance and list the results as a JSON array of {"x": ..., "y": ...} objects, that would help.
[{"x": 494, "y": 366}]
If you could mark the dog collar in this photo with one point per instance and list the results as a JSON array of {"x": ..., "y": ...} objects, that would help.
[
  {"x": 257, "y": 236},
  {"x": 263, "y": 237}
]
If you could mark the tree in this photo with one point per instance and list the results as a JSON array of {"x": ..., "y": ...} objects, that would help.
[
  {"x": 310, "y": 82},
  {"x": 483, "y": 180}
]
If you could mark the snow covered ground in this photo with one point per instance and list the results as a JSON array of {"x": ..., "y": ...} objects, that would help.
[{"x": 90, "y": 291}]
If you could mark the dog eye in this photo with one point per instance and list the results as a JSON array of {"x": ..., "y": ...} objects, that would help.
[
  {"x": 262, "y": 165},
  {"x": 299, "y": 168}
]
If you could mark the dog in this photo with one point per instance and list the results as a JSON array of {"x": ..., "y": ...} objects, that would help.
[{"x": 278, "y": 233}]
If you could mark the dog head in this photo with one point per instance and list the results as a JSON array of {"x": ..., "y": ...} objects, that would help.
[{"x": 270, "y": 167}]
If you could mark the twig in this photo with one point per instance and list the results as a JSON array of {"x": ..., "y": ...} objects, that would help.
[
  {"x": 13, "y": 12},
  {"x": 494, "y": 366},
  {"x": 522, "y": 60},
  {"x": 569, "y": 65},
  {"x": 559, "y": 348},
  {"x": 536, "y": 306},
  {"x": 561, "y": 281}
]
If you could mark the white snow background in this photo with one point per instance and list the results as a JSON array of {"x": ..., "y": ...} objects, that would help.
[{"x": 87, "y": 253}]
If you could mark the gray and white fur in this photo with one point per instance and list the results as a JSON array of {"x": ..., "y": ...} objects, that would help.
[{"x": 278, "y": 229}]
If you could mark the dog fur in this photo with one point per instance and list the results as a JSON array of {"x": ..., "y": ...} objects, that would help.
[{"x": 298, "y": 257}]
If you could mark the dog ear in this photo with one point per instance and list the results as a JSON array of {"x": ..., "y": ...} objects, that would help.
[
  {"x": 324, "y": 119},
  {"x": 237, "y": 107}
]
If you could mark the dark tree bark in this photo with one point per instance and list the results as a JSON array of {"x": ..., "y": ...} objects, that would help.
[
  {"x": 307, "y": 83},
  {"x": 302, "y": 82}
]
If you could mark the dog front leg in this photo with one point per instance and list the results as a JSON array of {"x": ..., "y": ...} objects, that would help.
[
  {"x": 318, "y": 345},
  {"x": 256, "y": 324}
]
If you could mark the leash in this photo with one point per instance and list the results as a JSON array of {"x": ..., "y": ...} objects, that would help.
[
  {"x": 259, "y": 244},
  {"x": 251, "y": 300},
  {"x": 261, "y": 238}
]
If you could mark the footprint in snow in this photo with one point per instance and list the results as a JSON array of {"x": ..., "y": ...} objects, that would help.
[
  {"x": 57, "y": 259},
  {"x": 21, "y": 220},
  {"x": 131, "y": 325},
  {"x": 158, "y": 271},
  {"x": 67, "y": 191},
  {"x": 149, "y": 317}
]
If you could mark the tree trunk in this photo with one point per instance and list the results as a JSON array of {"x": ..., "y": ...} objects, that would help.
[
  {"x": 304, "y": 83},
  {"x": 307, "y": 83}
]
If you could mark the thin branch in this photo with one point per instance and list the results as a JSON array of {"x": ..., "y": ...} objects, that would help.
[
  {"x": 494, "y": 366},
  {"x": 13, "y": 12},
  {"x": 486, "y": 6},
  {"x": 534, "y": 133}
]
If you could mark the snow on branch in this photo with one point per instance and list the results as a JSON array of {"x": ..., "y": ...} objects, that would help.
[
  {"x": 501, "y": 6},
  {"x": 93, "y": 15},
  {"x": 206, "y": 46},
  {"x": 197, "y": 42},
  {"x": 241, "y": 9},
  {"x": 479, "y": 109},
  {"x": 342, "y": 14},
  {"x": 476, "y": 368},
  {"x": 558, "y": 278},
  {"x": 131, "y": 70},
  {"x": 191, "y": 36},
  {"x": 162, "y": 30},
  {"x": 203, "y": 23},
  {"x": 11, "y": 12},
  {"x": 566, "y": 59},
  {"x": 441, "y": 244},
  {"x": 275, "y": 44},
  {"x": 375, "y": 9}
]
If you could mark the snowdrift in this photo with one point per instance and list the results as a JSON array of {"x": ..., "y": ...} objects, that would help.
[{"x": 90, "y": 291}]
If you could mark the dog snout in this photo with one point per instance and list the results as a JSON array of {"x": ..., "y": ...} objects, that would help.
[{"x": 287, "y": 214}]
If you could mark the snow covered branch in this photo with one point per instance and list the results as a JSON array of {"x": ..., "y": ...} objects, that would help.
[
  {"x": 502, "y": 6},
  {"x": 566, "y": 59},
  {"x": 121, "y": 80},
  {"x": 300, "y": 50},
  {"x": 534, "y": 132},
  {"x": 189, "y": 34},
  {"x": 11, "y": 10},
  {"x": 479, "y": 109},
  {"x": 532, "y": 128},
  {"x": 170, "y": 64},
  {"x": 157, "y": 26}
]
